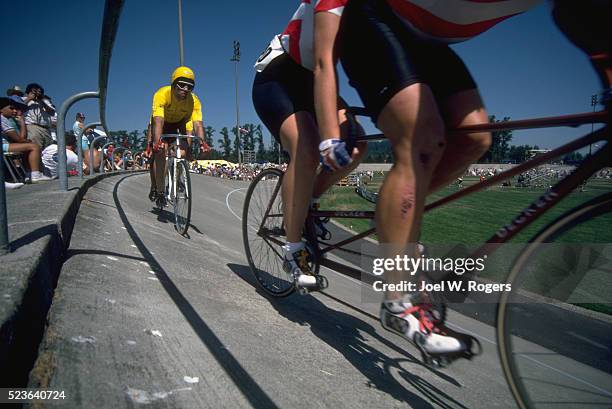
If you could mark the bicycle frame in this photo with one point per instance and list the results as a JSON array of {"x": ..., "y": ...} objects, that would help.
[
  {"x": 601, "y": 159},
  {"x": 174, "y": 155}
]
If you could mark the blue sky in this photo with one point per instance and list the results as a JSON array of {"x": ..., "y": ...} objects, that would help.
[{"x": 523, "y": 66}]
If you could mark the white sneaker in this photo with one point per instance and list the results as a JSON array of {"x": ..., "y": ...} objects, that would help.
[
  {"x": 10, "y": 186},
  {"x": 40, "y": 178},
  {"x": 416, "y": 323},
  {"x": 296, "y": 264}
]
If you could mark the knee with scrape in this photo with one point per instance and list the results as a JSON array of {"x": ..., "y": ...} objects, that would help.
[{"x": 407, "y": 200}]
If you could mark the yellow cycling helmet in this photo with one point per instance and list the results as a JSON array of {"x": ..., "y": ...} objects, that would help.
[{"x": 183, "y": 74}]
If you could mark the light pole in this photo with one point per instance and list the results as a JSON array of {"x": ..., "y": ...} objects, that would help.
[
  {"x": 236, "y": 59},
  {"x": 180, "y": 28}
]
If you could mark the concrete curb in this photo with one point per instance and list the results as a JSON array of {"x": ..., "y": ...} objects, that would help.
[{"x": 28, "y": 277}]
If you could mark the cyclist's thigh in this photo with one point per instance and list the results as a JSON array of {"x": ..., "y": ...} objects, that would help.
[
  {"x": 281, "y": 90},
  {"x": 382, "y": 57}
]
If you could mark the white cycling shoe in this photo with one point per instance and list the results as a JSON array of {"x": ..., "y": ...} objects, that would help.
[{"x": 418, "y": 324}]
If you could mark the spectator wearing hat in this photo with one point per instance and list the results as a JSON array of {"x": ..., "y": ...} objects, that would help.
[
  {"x": 15, "y": 90},
  {"x": 13, "y": 140},
  {"x": 38, "y": 116}
]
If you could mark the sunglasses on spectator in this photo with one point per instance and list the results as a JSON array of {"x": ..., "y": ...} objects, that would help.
[{"x": 184, "y": 86}]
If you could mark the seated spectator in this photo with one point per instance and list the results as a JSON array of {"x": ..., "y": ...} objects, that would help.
[
  {"x": 14, "y": 137},
  {"x": 50, "y": 158}
]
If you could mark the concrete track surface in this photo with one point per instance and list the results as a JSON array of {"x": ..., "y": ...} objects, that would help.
[{"x": 143, "y": 316}]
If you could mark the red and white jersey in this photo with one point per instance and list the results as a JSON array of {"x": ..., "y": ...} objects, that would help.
[
  {"x": 298, "y": 38},
  {"x": 452, "y": 21}
]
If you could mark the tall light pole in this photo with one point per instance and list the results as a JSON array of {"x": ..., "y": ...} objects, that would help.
[
  {"x": 180, "y": 28},
  {"x": 236, "y": 59}
]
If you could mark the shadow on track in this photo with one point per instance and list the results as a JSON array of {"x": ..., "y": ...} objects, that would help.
[
  {"x": 256, "y": 396},
  {"x": 349, "y": 336}
]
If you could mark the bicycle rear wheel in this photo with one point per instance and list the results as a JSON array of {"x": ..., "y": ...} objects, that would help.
[
  {"x": 263, "y": 233},
  {"x": 182, "y": 198},
  {"x": 553, "y": 327}
]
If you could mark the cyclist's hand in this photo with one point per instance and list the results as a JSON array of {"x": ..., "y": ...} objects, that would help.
[
  {"x": 204, "y": 147},
  {"x": 333, "y": 154}
]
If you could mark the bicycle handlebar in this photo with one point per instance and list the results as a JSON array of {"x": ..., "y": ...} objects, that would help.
[{"x": 176, "y": 135}]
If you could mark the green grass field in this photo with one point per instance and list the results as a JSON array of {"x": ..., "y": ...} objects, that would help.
[{"x": 473, "y": 219}]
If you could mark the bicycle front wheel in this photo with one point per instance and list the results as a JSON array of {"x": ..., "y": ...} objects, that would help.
[
  {"x": 263, "y": 233},
  {"x": 182, "y": 198},
  {"x": 554, "y": 327}
]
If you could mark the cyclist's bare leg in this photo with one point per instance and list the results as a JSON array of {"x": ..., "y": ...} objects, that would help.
[
  {"x": 413, "y": 125},
  {"x": 299, "y": 136},
  {"x": 325, "y": 180},
  {"x": 463, "y": 108},
  {"x": 159, "y": 163}
]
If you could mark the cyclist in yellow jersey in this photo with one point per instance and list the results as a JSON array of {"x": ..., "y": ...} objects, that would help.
[{"x": 176, "y": 109}]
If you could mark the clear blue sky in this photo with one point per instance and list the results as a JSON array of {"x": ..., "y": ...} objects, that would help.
[{"x": 524, "y": 66}]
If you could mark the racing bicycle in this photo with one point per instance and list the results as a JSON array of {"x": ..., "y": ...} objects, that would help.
[
  {"x": 264, "y": 234},
  {"x": 177, "y": 183}
]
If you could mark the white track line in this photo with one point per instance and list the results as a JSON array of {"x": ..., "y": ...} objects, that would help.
[{"x": 227, "y": 201}]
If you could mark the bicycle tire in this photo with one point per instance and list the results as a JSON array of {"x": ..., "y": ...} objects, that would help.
[
  {"x": 263, "y": 239},
  {"x": 596, "y": 207},
  {"x": 182, "y": 198}
]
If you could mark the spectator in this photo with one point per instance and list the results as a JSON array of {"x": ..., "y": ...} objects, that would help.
[
  {"x": 38, "y": 115},
  {"x": 14, "y": 136},
  {"x": 16, "y": 90},
  {"x": 50, "y": 158},
  {"x": 85, "y": 136}
]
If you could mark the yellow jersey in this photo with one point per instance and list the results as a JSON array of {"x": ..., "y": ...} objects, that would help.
[{"x": 165, "y": 105}]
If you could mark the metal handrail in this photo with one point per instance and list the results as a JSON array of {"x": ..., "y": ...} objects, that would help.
[
  {"x": 112, "y": 12},
  {"x": 61, "y": 132},
  {"x": 4, "y": 238}
]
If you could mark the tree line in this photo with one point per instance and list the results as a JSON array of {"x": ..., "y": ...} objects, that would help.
[{"x": 251, "y": 139}]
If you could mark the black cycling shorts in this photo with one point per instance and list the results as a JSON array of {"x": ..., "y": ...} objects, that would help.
[
  {"x": 381, "y": 56},
  {"x": 280, "y": 90}
]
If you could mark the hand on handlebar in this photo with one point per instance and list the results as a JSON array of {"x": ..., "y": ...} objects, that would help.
[{"x": 333, "y": 154}]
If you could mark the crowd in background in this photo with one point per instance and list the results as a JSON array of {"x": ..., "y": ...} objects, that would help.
[
  {"x": 246, "y": 171},
  {"x": 29, "y": 140}
]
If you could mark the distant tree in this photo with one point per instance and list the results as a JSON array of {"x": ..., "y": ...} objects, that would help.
[
  {"x": 261, "y": 148},
  {"x": 500, "y": 144},
  {"x": 519, "y": 154},
  {"x": 573, "y": 158},
  {"x": 209, "y": 133},
  {"x": 225, "y": 143}
]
